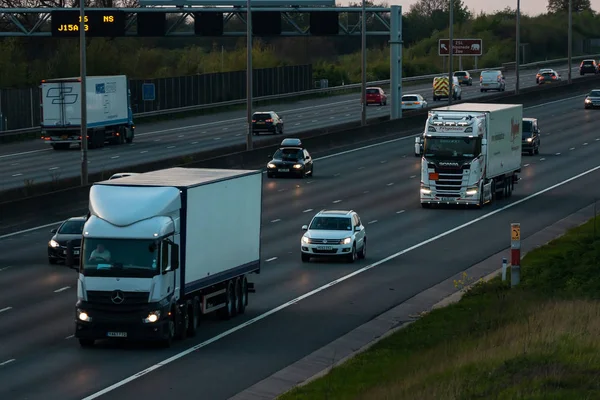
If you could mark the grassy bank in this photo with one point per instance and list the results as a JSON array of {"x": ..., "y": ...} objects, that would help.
[{"x": 540, "y": 340}]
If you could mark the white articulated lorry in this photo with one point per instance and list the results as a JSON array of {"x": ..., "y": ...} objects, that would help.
[
  {"x": 109, "y": 115},
  {"x": 471, "y": 153},
  {"x": 163, "y": 248}
]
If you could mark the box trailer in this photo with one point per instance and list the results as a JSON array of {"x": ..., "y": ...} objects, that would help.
[
  {"x": 109, "y": 115},
  {"x": 161, "y": 249}
]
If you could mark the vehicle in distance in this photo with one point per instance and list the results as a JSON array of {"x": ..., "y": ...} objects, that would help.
[
  {"x": 441, "y": 88},
  {"x": 531, "y": 136},
  {"x": 70, "y": 230},
  {"x": 376, "y": 95},
  {"x": 334, "y": 233},
  {"x": 291, "y": 159},
  {"x": 122, "y": 175},
  {"x": 149, "y": 272},
  {"x": 464, "y": 78},
  {"x": 549, "y": 77},
  {"x": 413, "y": 102},
  {"x": 588, "y": 67},
  {"x": 267, "y": 121},
  {"x": 109, "y": 115},
  {"x": 471, "y": 153},
  {"x": 592, "y": 100},
  {"x": 540, "y": 72},
  {"x": 492, "y": 80}
]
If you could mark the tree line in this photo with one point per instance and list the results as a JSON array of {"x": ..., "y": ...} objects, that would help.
[{"x": 26, "y": 61}]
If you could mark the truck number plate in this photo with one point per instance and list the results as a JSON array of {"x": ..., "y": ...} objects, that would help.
[
  {"x": 447, "y": 199},
  {"x": 284, "y": 170},
  {"x": 116, "y": 334},
  {"x": 324, "y": 247}
]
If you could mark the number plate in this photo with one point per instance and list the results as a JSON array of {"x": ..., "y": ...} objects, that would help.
[
  {"x": 324, "y": 247},
  {"x": 260, "y": 123},
  {"x": 116, "y": 334},
  {"x": 447, "y": 199},
  {"x": 283, "y": 170},
  {"x": 64, "y": 137},
  {"x": 76, "y": 252}
]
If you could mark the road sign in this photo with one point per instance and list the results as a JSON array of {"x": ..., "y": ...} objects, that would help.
[
  {"x": 97, "y": 23},
  {"x": 461, "y": 47},
  {"x": 148, "y": 92},
  {"x": 515, "y": 232}
]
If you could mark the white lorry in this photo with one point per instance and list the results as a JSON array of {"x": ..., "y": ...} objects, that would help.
[
  {"x": 163, "y": 248},
  {"x": 109, "y": 115},
  {"x": 471, "y": 153}
]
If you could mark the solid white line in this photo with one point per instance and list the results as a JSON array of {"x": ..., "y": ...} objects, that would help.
[
  {"x": 62, "y": 289},
  {"x": 330, "y": 284},
  {"x": 271, "y": 259},
  {"x": 7, "y": 362},
  {"x": 29, "y": 230},
  {"x": 5, "y": 309}
]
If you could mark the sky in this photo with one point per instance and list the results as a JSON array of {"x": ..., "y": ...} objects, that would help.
[{"x": 530, "y": 7}]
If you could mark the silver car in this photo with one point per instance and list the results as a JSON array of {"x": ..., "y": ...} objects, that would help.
[{"x": 592, "y": 100}]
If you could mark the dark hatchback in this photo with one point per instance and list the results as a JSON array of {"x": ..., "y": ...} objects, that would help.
[
  {"x": 531, "y": 136},
  {"x": 291, "y": 159},
  {"x": 588, "y": 67},
  {"x": 70, "y": 230},
  {"x": 268, "y": 122}
]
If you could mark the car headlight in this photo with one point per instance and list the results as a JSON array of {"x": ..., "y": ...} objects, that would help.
[
  {"x": 305, "y": 240},
  {"x": 529, "y": 139},
  {"x": 152, "y": 317},
  {"x": 425, "y": 190},
  {"x": 297, "y": 166},
  {"x": 588, "y": 101},
  {"x": 83, "y": 316},
  {"x": 53, "y": 243},
  {"x": 347, "y": 240},
  {"x": 472, "y": 191},
  {"x": 271, "y": 165}
]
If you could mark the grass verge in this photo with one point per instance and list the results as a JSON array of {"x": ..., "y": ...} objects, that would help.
[{"x": 540, "y": 340}]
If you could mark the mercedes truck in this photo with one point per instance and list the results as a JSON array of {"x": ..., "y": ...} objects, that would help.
[
  {"x": 108, "y": 111},
  {"x": 162, "y": 249},
  {"x": 470, "y": 154}
]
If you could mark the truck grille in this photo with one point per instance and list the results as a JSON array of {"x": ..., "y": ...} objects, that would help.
[
  {"x": 449, "y": 182},
  {"x": 129, "y": 298}
]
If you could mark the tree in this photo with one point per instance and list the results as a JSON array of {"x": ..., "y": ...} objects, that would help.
[{"x": 555, "y": 6}]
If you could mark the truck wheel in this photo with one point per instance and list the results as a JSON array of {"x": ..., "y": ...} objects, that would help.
[
  {"x": 122, "y": 135},
  {"x": 240, "y": 296},
  {"x": 170, "y": 331},
  {"x": 86, "y": 342},
  {"x": 183, "y": 322},
  {"x": 193, "y": 317},
  {"x": 228, "y": 311},
  {"x": 130, "y": 139}
]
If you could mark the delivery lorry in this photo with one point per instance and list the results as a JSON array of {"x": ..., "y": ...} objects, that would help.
[
  {"x": 471, "y": 153},
  {"x": 162, "y": 249},
  {"x": 109, "y": 115}
]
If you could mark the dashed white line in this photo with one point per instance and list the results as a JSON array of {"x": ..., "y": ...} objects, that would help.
[
  {"x": 113, "y": 157},
  {"x": 412, "y": 176},
  {"x": 347, "y": 115},
  {"x": 217, "y": 138},
  {"x": 400, "y": 212},
  {"x": 16, "y": 163},
  {"x": 331, "y": 117},
  {"x": 336, "y": 201},
  {"x": 281, "y": 190},
  {"x": 7, "y": 362},
  {"x": 5, "y": 309},
  {"x": 157, "y": 140},
  {"x": 180, "y": 136},
  {"x": 572, "y": 148},
  {"x": 271, "y": 259},
  {"x": 143, "y": 152},
  {"x": 372, "y": 222},
  {"x": 225, "y": 129},
  {"x": 197, "y": 142},
  {"x": 297, "y": 123},
  {"x": 53, "y": 168},
  {"x": 597, "y": 139},
  {"x": 70, "y": 337},
  {"x": 62, "y": 289},
  {"x": 305, "y": 211},
  {"x": 276, "y": 220},
  {"x": 365, "y": 192},
  {"x": 203, "y": 132},
  {"x": 526, "y": 165},
  {"x": 170, "y": 147},
  {"x": 557, "y": 154},
  {"x": 358, "y": 167},
  {"x": 585, "y": 144},
  {"x": 390, "y": 184},
  {"x": 239, "y": 134},
  {"x": 542, "y": 159},
  {"x": 315, "y": 120},
  {"x": 337, "y": 175},
  {"x": 309, "y": 181},
  {"x": 17, "y": 175},
  {"x": 383, "y": 162}
]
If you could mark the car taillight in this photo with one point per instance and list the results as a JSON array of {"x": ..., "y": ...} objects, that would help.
[
  {"x": 269, "y": 120},
  {"x": 253, "y": 120}
]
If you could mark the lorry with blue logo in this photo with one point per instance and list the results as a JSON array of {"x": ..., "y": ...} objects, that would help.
[{"x": 109, "y": 114}]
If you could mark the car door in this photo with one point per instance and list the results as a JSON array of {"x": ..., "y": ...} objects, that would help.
[
  {"x": 308, "y": 160},
  {"x": 360, "y": 235}
]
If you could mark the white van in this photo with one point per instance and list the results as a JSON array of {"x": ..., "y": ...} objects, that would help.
[{"x": 492, "y": 80}]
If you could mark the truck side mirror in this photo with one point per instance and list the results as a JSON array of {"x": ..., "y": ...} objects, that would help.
[{"x": 174, "y": 256}]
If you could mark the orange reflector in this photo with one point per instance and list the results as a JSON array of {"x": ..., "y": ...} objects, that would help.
[{"x": 434, "y": 176}]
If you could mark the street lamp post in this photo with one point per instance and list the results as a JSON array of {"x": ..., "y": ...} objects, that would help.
[
  {"x": 450, "y": 53},
  {"x": 570, "y": 39},
  {"x": 249, "y": 75},
  {"x": 363, "y": 53},
  {"x": 518, "y": 46},
  {"x": 83, "y": 86}
]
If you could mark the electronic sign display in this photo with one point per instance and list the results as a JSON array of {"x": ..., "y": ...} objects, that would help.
[{"x": 98, "y": 23}]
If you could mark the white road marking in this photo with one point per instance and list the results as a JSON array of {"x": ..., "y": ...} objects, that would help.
[
  {"x": 305, "y": 211},
  {"x": 397, "y": 212},
  {"x": 145, "y": 151},
  {"x": 203, "y": 132},
  {"x": 410, "y": 177},
  {"x": 14, "y": 164},
  {"x": 156, "y": 140},
  {"x": 218, "y": 138},
  {"x": 114, "y": 157},
  {"x": 366, "y": 191},
  {"x": 271, "y": 259},
  {"x": 383, "y": 162},
  {"x": 597, "y": 139},
  {"x": 180, "y": 136},
  {"x": 309, "y": 181},
  {"x": 72, "y": 336},
  {"x": 526, "y": 165},
  {"x": 557, "y": 154},
  {"x": 297, "y": 123},
  {"x": 358, "y": 167},
  {"x": 53, "y": 168},
  {"x": 329, "y": 117},
  {"x": 239, "y": 134},
  {"x": 197, "y": 142},
  {"x": 372, "y": 222},
  {"x": 542, "y": 159},
  {"x": 336, "y": 201},
  {"x": 5, "y": 309},
  {"x": 330, "y": 284},
  {"x": 347, "y": 115},
  {"x": 62, "y": 289},
  {"x": 17, "y": 175},
  {"x": 572, "y": 148},
  {"x": 389, "y": 184},
  {"x": 7, "y": 362},
  {"x": 5, "y": 268},
  {"x": 276, "y": 220},
  {"x": 280, "y": 190},
  {"x": 585, "y": 144},
  {"x": 335, "y": 174}
]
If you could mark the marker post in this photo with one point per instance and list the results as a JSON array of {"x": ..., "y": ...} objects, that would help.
[{"x": 515, "y": 254}]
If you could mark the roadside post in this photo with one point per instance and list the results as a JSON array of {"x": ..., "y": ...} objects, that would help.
[
  {"x": 515, "y": 254},
  {"x": 504, "y": 267}
]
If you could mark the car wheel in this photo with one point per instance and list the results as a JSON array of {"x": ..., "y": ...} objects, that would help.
[
  {"x": 352, "y": 256},
  {"x": 363, "y": 252}
]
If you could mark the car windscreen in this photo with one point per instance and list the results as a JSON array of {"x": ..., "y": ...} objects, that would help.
[
  {"x": 460, "y": 74},
  {"x": 410, "y": 98},
  {"x": 261, "y": 117},
  {"x": 594, "y": 93},
  {"x": 288, "y": 154},
  {"x": 372, "y": 91},
  {"x": 527, "y": 129},
  {"x": 588, "y": 63},
  {"x": 331, "y": 224},
  {"x": 71, "y": 228},
  {"x": 548, "y": 74}
]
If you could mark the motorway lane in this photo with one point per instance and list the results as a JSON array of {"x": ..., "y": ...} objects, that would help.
[
  {"x": 35, "y": 331},
  {"x": 24, "y": 162}
]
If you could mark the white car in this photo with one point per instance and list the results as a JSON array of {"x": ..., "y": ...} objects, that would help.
[
  {"x": 413, "y": 102},
  {"x": 334, "y": 233}
]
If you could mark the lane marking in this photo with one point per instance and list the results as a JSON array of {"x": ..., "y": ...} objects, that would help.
[
  {"x": 335, "y": 174},
  {"x": 397, "y": 212},
  {"x": 15, "y": 175},
  {"x": 276, "y": 220},
  {"x": 336, "y": 201},
  {"x": 358, "y": 167},
  {"x": 62, "y": 289},
  {"x": 271, "y": 259},
  {"x": 389, "y": 184},
  {"x": 72, "y": 336},
  {"x": 557, "y": 154},
  {"x": 197, "y": 142},
  {"x": 330, "y": 284},
  {"x": 305, "y": 211},
  {"x": 383, "y": 162},
  {"x": 280, "y": 190},
  {"x": 372, "y": 222},
  {"x": 365, "y": 192},
  {"x": 342, "y": 153},
  {"x": 542, "y": 159},
  {"x": 53, "y": 168},
  {"x": 5, "y": 309},
  {"x": 572, "y": 148},
  {"x": 218, "y": 138},
  {"x": 239, "y": 134},
  {"x": 585, "y": 144},
  {"x": 115, "y": 157},
  {"x": 5, "y": 268},
  {"x": 410, "y": 177},
  {"x": 226, "y": 129},
  {"x": 7, "y": 362},
  {"x": 145, "y": 151},
  {"x": 170, "y": 147},
  {"x": 180, "y": 136}
]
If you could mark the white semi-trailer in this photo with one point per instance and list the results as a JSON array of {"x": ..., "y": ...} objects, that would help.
[
  {"x": 109, "y": 115},
  {"x": 163, "y": 248},
  {"x": 471, "y": 153}
]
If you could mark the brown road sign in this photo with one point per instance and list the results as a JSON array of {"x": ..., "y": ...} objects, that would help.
[{"x": 461, "y": 47}]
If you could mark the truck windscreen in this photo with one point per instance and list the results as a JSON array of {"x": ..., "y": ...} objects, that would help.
[
  {"x": 445, "y": 147},
  {"x": 119, "y": 257}
]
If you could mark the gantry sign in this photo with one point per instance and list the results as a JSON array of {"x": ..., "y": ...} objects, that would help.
[{"x": 194, "y": 21}]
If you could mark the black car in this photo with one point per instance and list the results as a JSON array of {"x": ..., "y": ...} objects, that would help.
[
  {"x": 531, "y": 136},
  {"x": 588, "y": 67},
  {"x": 592, "y": 100},
  {"x": 70, "y": 230},
  {"x": 268, "y": 122},
  {"x": 291, "y": 159}
]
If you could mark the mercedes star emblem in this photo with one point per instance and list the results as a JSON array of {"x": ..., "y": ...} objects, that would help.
[{"x": 117, "y": 297}]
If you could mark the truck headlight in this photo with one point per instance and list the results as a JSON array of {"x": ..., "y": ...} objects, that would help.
[
  {"x": 529, "y": 139},
  {"x": 472, "y": 191},
  {"x": 152, "y": 317},
  {"x": 271, "y": 165},
  {"x": 347, "y": 240},
  {"x": 297, "y": 166},
  {"x": 83, "y": 316},
  {"x": 425, "y": 190},
  {"x": 53, "y": 243},
  {"x": 305, "y": 240}
]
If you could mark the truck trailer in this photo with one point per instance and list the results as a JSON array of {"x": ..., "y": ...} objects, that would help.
[
  {"x": 109, "y": 115},
  {"x": 162, "y": 249},
  {"x": 471, "y": 153}
]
